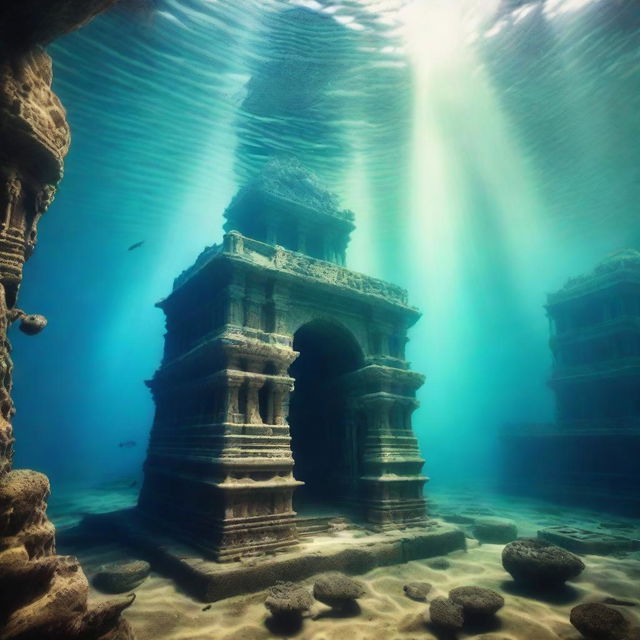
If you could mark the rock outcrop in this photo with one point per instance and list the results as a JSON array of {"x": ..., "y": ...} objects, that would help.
[
  {"x": 539, "y": 563},
  {"x": 121, "y": 577},
  {"x": 42, "y": 595}
]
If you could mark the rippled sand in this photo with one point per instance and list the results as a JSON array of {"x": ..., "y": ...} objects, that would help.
[{"x": 163, "y": 612}]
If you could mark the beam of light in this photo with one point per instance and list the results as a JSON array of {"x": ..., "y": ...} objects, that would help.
[{"x": 476, "y": 239}]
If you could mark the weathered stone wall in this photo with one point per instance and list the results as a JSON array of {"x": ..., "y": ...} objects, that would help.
[{"x": 42, "y": 595}]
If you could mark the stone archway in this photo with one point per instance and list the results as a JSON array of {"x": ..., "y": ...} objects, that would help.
[{"x": 323, "y": 440}]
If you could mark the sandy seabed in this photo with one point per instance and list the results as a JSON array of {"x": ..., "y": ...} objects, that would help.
[{"x": 163, "y": 612}]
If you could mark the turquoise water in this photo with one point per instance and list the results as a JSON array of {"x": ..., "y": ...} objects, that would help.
[{"x": 488, "y": 148}]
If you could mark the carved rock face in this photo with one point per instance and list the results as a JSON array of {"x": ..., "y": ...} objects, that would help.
[
  {"x": 25, "y": 23},
  {"x": 42, "y": 595},
  {"x": 35, "y": 130}
]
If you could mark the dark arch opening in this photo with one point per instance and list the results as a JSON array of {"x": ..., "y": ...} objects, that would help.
[{"x": 323, "y": 436}]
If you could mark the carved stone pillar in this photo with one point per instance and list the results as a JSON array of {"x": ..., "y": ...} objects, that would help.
[
  {"x": 391, "y": 482},
  {"x": 281, "y": 393},
  {"x": 253, "y": 400},
  {"x": 281, "y": 307},
  {"x": 231, "y": 412},
  {"x": 233, "y": 295},
  {"x": 377, "y": 409},
  {"x": 253, "y": 303}
]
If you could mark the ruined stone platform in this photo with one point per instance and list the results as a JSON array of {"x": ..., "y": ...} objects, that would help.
[
  {"x": 585, "y": 541},
  {"x": 350, "y": 552}
]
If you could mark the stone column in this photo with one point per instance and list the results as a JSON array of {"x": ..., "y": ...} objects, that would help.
[
  {"x": 253, "y": 303},
  {"x": 234, "y": 294},
  {"x": 391, "y": 481},
  {"x": 231, "y": 412},
  {"x": 376, "y": 408},
  {"x": 281, "y": 392},
  {"x": 253, "y": 400},
  {"x": 281, "y": 306}
]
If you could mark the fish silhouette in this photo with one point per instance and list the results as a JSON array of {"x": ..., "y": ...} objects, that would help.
[
  {"x": 135, "y": 245},
  {"x": 127, "y": 444}
]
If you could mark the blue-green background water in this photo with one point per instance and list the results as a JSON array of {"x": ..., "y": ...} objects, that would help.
[{"x": 489, "y": 149}]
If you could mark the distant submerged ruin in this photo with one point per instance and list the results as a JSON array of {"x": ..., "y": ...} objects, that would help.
[
  {"x": 590, "y": 454},
  {"x": 284, "y": 390}
]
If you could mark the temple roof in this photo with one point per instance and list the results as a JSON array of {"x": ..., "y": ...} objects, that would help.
[
  {"x": 287, "y": 179},
  {"x": 623, "y": 259},
  {"x": 622, "y": 265}
]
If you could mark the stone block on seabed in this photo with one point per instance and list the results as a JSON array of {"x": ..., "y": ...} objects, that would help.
[{"x": 585, "y": 541}]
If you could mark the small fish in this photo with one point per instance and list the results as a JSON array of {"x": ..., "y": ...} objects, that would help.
[
  {"x": 206, "y": 607},
  {"x": 133, "y": 484},
  {"x": 127, "y": 444},
  {"x": 135, "y": 245}
]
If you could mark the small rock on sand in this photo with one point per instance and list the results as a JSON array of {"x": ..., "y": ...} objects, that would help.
[
  {"x": 337, "y": 590},
  {"x": 287, "y": 599},
  {"x": 417, "y": 590},
  {"x": 477, "y": 601},
  {"x": 599, "y": 621}
]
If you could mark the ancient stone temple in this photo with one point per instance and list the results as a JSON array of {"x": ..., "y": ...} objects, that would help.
[
  {"x": 595, "y": 324},
  {"x": 592, "y": 450},
  {"x": 284, "y": 386}
]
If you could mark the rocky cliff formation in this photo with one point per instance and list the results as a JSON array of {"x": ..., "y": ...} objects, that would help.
[{"x": 42, "y": 595}]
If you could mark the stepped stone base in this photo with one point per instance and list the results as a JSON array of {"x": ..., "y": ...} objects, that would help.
[{"x": 350, "y": 551}]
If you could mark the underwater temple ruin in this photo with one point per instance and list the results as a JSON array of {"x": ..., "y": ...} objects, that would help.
[
  {"x": 284, "y": 388},
  {"x": 591, "y": 453}
]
